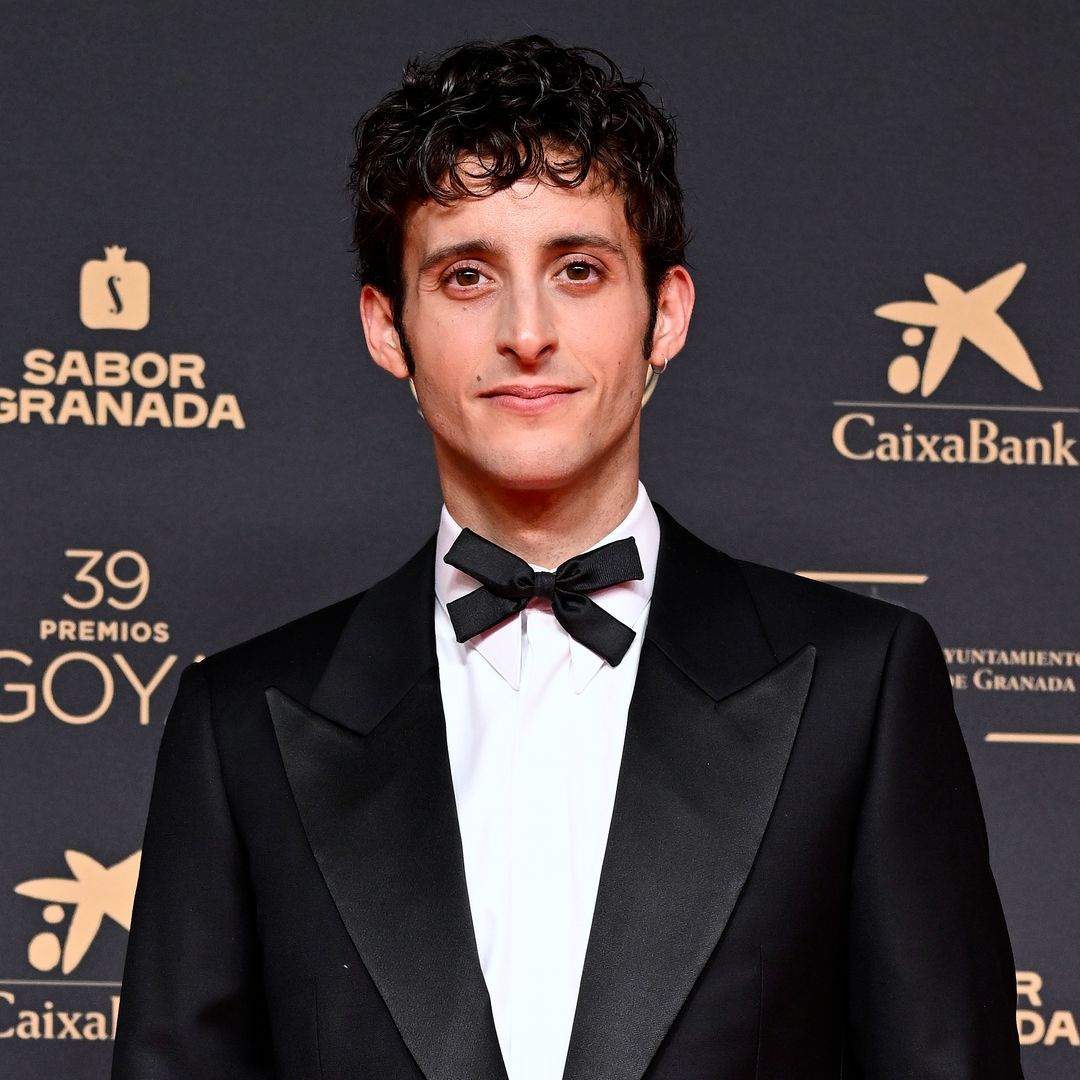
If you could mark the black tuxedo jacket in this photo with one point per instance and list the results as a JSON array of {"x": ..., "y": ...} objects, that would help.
[{"x": 796, "y": 883}]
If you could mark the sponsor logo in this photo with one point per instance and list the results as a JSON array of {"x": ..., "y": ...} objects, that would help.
[
  {"x": 147, "y": 387},
  {"x": 48, "y": 1022},
  {"x": 966, "y": 325},
  {"x": 92, "y": 894},
  {"x": 1045, "y": 671},
  {"x": 79, "y": 685},
  {"x": 958, "y": 316},
  {"x": 114, "y": 294},
  {"x": 979, "y": 441}
]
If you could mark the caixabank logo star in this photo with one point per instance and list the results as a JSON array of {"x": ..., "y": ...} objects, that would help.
[
  {"x": 958, "y": 316},
  {"x": 956, "y": 325},
  {"x": 93, "y": 892},
  {"x": 101, "y": 385},
  {"x": 52, "y": 1002}
]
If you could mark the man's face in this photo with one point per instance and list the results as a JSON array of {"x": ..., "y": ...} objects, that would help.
[{"x": 525, "y": 312}]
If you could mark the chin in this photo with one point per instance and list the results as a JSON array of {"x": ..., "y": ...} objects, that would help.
[
  {"x": 533, "y": 480},
  {"x": 546, "y": 473}
]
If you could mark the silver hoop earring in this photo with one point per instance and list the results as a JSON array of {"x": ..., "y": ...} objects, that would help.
[
  {"x": 412, "y": 390},
  {"x": 652, "y": 377}
]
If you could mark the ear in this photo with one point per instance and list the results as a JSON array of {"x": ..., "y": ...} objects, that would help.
[
  {"x": 675, "y": 304},
  {"x": 377, "y": 315}
]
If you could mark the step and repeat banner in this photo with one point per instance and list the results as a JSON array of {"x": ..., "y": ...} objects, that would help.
[{"x": 881, "y": 389}]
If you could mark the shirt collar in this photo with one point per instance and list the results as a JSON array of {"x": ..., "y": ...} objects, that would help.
[{"x": 501, "y": 645}]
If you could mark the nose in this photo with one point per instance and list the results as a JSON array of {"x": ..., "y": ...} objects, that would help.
[{"x": 526, "y": 332}]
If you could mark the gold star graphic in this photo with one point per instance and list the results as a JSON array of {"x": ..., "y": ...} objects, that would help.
[
  {"x": 971, "y": 315},
  {"x": 96, "y": 891}
]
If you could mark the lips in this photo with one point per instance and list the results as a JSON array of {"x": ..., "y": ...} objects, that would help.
[
  {"x": 528, "y": 392},
  {"x": 522, "y": 398}
]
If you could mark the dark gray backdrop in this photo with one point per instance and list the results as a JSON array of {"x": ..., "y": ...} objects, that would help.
[{"x": 831, "y": 157}]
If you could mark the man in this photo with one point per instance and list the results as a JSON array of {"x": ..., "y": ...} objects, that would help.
[{"x": 571, "y": 793}]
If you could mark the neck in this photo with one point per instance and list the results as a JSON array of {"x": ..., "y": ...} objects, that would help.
[{"x": 543, "y": 527}]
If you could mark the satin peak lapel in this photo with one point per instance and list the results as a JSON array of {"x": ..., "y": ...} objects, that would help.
[
  {"x": 371, "y": 778},
  {"x": 708, "y": 739}
]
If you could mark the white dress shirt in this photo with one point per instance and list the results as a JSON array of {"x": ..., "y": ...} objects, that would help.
[{"x": 535, "y": 724}]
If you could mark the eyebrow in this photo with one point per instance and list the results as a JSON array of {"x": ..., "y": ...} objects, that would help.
[
  {"x": 560, "y": 243},
  {"x": 588, "y": 240},
  {"x": 455, "y": 251}
]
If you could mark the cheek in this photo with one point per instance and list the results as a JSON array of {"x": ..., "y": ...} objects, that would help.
[
  {"x": 611, "y": 337},
  {"x": 627, "y": 366},
  {"x": 620, "y": 329},
  {"x": 445, "y": 354}
]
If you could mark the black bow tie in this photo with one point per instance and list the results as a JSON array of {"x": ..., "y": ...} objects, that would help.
[{"x": 509, "y": 583}]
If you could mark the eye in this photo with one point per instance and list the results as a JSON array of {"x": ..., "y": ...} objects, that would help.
[
  {"x": 578, "y": 270},
  {"x": 464, "y": 277}
]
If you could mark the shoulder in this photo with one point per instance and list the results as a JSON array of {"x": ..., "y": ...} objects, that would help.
[
  {"x": 361, "y": 630},
  {"x": 795, "y": 610},
  {"x": 782, "y": 595},
  {"x": 792, "y": 610},
  {"x": 738, "y": 608},
  {"x": 871, "y": 657},
  {"x": 290, "y": 656}
]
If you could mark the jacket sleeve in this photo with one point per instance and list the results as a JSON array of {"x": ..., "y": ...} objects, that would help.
[
  {"x": 192, "y": 1004},
  {"x": 932, "y": 989}
]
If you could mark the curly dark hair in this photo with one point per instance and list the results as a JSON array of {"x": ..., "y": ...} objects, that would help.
[{"x": 524, "y": 108}]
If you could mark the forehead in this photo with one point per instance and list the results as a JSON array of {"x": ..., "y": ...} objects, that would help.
[{"x": 529, "y": 214}]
